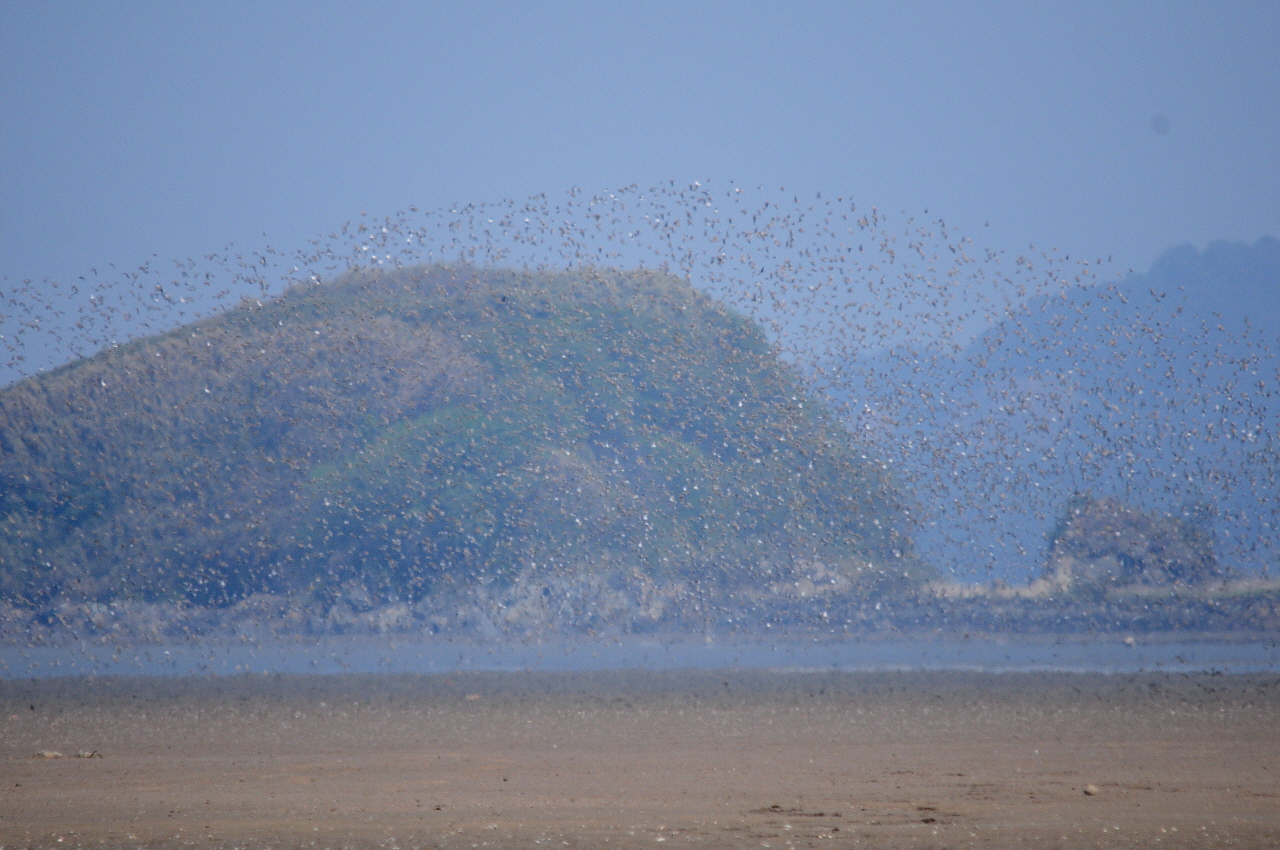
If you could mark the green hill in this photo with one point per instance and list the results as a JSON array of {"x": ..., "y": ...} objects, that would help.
[{"x": 409, "y": 432}]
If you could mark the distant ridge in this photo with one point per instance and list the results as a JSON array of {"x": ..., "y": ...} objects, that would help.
[{"x": 1234, "y": 280}]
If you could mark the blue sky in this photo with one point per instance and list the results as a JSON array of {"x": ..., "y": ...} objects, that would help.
[{"x": 1121, "y": 129}]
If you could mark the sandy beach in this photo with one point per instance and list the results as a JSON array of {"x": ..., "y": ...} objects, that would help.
[{"x": 636, "y": 759}]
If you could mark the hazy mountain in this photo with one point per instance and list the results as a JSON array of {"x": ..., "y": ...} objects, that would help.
[
  {"x": 395, "y": 435},
  {"x": 1227, "y": 295},
  {"x": 1231, "y": 279},
  {"x": 1158, "y": 391}
]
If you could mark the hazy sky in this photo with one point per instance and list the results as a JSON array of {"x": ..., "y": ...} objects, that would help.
[{"x": 172, "y": 128}]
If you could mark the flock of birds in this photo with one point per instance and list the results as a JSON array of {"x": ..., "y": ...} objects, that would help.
[{"x": 996, "y": 385}]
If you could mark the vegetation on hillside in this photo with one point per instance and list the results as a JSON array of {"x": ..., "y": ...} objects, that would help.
[{"x": 401, "y": 433}]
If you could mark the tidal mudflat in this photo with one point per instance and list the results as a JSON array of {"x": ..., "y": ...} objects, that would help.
[{"x": 601, "y": 759}]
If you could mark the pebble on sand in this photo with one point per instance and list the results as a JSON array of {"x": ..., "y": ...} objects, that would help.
[{"x": 1091, "y": 790}]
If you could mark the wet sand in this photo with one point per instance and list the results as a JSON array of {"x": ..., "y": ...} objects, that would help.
[{"x": 705, "y": 758}]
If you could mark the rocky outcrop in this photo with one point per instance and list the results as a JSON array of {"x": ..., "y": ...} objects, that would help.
[{"x": 1101, "y": 545}]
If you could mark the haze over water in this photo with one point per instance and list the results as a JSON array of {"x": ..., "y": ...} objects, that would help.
[{"x": 368, "y": 654}]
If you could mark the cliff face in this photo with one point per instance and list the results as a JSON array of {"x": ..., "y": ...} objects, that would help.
[{"x": 396, "y": 436}]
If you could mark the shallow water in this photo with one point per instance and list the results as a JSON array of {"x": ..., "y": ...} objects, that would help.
[{"x": 373, "y": 654}]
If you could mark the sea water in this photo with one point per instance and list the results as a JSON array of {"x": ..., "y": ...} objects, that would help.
[{"x": 387, "y": 654}]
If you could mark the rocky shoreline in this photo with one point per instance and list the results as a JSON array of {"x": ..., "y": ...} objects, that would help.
[{"x": 598, "y": 609}]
